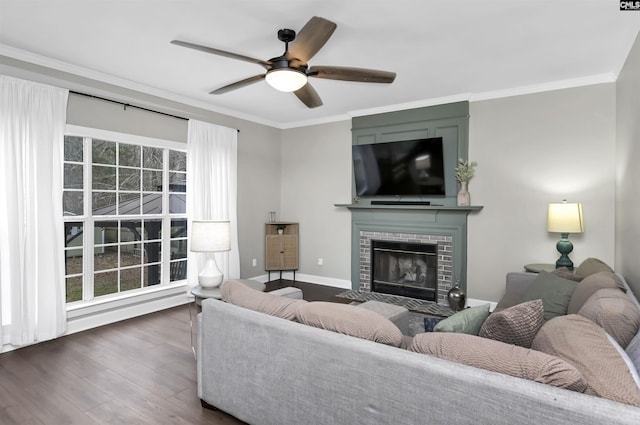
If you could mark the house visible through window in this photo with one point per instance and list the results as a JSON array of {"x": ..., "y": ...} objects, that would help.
[{"x": 124, "y": 205}]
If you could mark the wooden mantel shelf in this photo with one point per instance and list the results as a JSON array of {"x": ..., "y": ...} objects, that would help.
[{"x": 468, "y": 209}]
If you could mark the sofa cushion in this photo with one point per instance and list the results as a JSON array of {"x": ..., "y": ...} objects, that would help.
[
  {"x": 554, "y": 291},
  {"x": 499, "y": 357},
  {"x": 237, "y": 293},
  {"x": 515, "y": 325},
  {"x": 588, "y": 286},
  {"x": 350, "y": 320},
  {"x": 627, "y": 360},
  {"x": 591, "y": 266},
  {"x": 614, "y": 312},
  {"x": 567, "y": 274},
  {"x": 633, "y": 351},
  {"x": 466, "y": 321},
  {"x": 585, "y": 345}
]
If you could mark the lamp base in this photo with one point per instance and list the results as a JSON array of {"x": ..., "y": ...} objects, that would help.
[
  {"x": 210, "y": 276},
  {"x": 564, "y": 247}
]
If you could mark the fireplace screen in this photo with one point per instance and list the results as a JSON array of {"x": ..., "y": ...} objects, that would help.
[{"x": 403, "y": 268}]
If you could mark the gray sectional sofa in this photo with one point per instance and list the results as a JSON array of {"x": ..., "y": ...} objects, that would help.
[{"x": 265, "y": 369}]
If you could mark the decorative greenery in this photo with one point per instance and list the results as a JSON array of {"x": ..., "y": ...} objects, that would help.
[{"x": 465, "y": 170}]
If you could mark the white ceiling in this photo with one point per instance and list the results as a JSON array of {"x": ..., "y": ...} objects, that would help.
[{"x": 441, "y": 50}]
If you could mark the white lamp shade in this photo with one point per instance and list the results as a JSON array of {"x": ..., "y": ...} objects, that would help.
[
  {"x": 210, "y": 236},
  {"x": 565, "y": 218},
  {"x": 286, "y": 79}
]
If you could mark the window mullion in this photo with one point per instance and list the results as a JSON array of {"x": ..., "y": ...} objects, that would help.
[{"x": 89, "y": 242}]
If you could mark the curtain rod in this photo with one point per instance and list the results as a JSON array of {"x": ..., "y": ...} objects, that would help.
[{"x": 128, "y": 105}]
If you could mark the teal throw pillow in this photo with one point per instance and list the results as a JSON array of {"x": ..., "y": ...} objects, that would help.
[
  {"x": 468, "y": 321},
  {"x": 554, "y": 291}
]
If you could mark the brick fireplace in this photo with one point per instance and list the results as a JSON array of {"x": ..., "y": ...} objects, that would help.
[{"x": 442, "y": 226}]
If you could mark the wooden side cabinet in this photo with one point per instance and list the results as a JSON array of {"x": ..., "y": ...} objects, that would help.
[{"x": 281, "y": 247}]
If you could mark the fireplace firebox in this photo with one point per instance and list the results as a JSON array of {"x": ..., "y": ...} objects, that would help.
[{"x": 405, "y": 268}]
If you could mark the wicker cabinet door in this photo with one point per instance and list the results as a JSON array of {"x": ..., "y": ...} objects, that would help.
[
  {"x": 273, "y": 248},
  {"x": 289, "y": 252}
]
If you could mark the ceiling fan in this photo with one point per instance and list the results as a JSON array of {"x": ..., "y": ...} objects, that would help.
[{"x": 290, "y": 71}]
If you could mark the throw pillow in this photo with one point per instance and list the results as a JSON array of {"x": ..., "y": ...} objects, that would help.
[
  {"x": 237, "y": 293},
  {"x": 585, "y": 345},
  {"x": 499, "y": 357},
  {"x": 567, "y": 274},
  {"x": 350, "y": 320},
  {"x": 591, "y": 266},
  {"x": 614, "y": 312},
  {"x": 555, "y": 293},
  {"x": 588, "y": 286},
  {"x": 516, "y": 325},
  {"x": 467, "y": 321}
]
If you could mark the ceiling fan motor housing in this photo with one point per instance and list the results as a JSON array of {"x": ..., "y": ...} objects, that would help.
[{"x": 286, "y": 35}]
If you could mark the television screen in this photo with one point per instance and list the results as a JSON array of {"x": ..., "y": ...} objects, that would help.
[{"x": 409, "y": 167}]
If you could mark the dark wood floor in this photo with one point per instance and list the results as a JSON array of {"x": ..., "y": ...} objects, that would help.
[{"x": 138, "y": 371}]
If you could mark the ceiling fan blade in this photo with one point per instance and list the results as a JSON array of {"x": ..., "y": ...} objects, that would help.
[
  {"x": 219, "y": 52},
  {"x": 351, "y": 74},
  {"x": 238, "y": 84},
  {"x": 309, "y": 96},
  {"x": 310, "y": 39}
]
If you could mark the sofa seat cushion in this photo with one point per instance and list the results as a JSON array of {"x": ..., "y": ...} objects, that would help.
[
  {"x": 516, "y": 325},
  {"x": 614, "y": 312},
  {"x": 588, "y": 286},
  {"x": 585, "y": 345},
  {"x": 499, "y": 357},
  {"x": 350, "y": 320},
  {"x": 554, "y": 291},
  {"x": 466, "y": 321},
  {"x": 237, "y": 293}
]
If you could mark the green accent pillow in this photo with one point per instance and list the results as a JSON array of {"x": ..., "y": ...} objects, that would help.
[
  {"x": 554, "y": 291},
  {"x": 468, "y": 321}
]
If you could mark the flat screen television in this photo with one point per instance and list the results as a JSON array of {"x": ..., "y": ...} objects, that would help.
[{"x": 403, "y": 168}]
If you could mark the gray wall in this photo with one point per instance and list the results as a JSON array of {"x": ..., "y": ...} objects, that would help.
[
  {"x": 532, "y": 150},
  {"x": 316, "y": 174},
  {"x": 628, "y": 172}
]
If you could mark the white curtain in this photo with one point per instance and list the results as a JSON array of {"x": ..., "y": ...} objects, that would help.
[
  {"x": 212, "y": 168},
  {"x": 32, "y": 289}
]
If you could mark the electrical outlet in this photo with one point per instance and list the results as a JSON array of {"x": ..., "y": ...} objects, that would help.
[
  {"x": 320, "y": 261},
  {"x": 254, "y": 262}
]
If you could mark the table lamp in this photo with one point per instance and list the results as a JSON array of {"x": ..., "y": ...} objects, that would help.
[
  {"x": 565, "y": 218},
  {"x": 210, "y": 237}
]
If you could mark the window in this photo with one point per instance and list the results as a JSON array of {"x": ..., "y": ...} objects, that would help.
[{"x": 124, "y": 208}]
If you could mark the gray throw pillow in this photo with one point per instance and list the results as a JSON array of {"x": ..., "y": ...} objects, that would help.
[
  {"x": 555, "y": 293},
  {"x": 516, "y": 325},
  {"x": 467, "y": 321}
]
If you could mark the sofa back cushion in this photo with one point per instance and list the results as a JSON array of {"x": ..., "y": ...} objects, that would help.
[
  {"x": 237, "y": 293},
  {"x": 499, "y": 357},
  {"x": 515, "y": 325},
  {"x": 585, "y": 345},
  {"x": 588, "y": 286},
  {"x": 554, "y": 291},
  {"x": 591, "y": 266},
  {"x": 614, "y": 312},
  {"x": 350, "y": 320}
]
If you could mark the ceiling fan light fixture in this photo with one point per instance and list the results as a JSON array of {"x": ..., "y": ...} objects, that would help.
[{"x": 286, "y": 79}]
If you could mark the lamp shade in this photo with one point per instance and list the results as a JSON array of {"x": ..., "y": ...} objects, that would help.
[
  {"x": 565, "y": 218},
  {"x": 210, "y": 236},
  {"x": 286, "y": 79}
]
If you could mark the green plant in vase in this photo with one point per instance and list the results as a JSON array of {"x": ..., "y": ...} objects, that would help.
[{"x": 464, "y": 172}]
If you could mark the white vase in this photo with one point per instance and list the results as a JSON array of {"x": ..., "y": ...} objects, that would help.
[{"x": 464, "y": 198}]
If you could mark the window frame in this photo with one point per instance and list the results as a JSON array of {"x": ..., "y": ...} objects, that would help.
[{"x": 88, "y": 220}]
